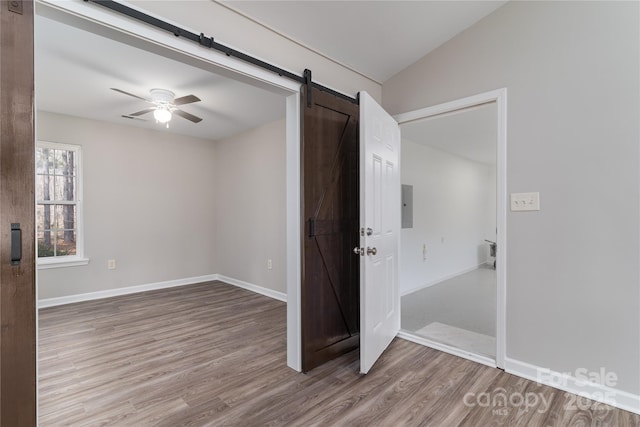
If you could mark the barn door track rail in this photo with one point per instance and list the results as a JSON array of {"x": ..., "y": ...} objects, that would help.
[{"x": 210, "y": 43}]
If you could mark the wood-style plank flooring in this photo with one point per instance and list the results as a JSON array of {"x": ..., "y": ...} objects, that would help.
[{"x": 215, "y": 355}]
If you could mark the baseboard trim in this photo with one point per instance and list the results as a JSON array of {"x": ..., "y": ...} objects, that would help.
[
  {"x": 442, "y": 279},
  {"x": 52, "y": 302},
  {"x": 89, "y": 296},
  {"x": 484, "y": 360},
  {"x": 280, "y": 296},
  {"x": 569, "y": 383}
]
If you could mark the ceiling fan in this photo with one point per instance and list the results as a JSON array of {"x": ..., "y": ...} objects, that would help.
[{"x": 165, "y": 105}]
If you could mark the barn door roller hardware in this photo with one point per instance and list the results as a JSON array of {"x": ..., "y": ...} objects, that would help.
[
  {"x": 308, "y": 81},
  {"x": 210, "y": 43}
]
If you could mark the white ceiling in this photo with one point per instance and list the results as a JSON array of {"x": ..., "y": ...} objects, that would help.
[
  {"x": 471, "y": 134},
  {"x": 75, "y": 70},
  {"x": 376, "y": 38}
]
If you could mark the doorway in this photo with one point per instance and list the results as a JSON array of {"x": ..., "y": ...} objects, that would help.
[
  {"x": 89, "y": 17},
  {"x": 452, "y": 278}
]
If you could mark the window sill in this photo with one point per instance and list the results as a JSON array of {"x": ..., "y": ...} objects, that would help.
[{"x": 45, "y": 264}]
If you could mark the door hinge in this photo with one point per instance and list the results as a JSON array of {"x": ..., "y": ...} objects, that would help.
[{"x": 15, "y": 6}]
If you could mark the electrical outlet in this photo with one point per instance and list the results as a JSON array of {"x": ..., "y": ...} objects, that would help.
[
  {"x": 525, "y": 201},
  {"x": 269, "y": 264},
  {"x": 111, "y": 264}
]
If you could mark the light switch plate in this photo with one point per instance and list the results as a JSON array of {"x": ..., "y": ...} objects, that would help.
[{"x": 525, "y": 201}]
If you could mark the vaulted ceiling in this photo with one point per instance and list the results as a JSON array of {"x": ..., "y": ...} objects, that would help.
[{"x": 376, "y": 38}]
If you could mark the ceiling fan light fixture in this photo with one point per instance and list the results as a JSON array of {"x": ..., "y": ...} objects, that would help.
[
  {"x": 162, "y": 115},
  {"x": 164, "y": 105}
]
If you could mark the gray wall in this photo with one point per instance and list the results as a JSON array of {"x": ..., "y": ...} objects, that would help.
[
  {"x": 148, "y": 204},
  {"x": 250, "y": 219},
  {"x": 169, "y": 207},
  {"x": 572, "y": 71}
]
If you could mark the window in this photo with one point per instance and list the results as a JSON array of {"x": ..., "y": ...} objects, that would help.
[{"x": 59, "y": 205}]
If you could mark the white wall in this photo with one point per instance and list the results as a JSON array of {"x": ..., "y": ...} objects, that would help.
[
  {"x": 250, "y": 217},
  {"x": 453, "y": 199},
  {"x": 148, "y": 204},
  {"x": 571, "y": 69},
  {"x": 234, "y": 30}
]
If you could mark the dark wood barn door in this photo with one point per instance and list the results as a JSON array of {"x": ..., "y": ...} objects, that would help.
[
  {"x": 17, "y": 221},
  {"x": 330, "y": 296}
]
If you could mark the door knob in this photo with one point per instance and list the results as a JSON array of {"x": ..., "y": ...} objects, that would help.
[
  {"x": 371, "y": 251},
  {"x": 358, "y": 251}
]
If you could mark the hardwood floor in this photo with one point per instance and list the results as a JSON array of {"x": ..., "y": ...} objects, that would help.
[{"x": 212, "y": 354}]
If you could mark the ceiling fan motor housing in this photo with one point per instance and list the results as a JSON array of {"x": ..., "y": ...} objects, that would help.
[{"x": 162, "y": 96}]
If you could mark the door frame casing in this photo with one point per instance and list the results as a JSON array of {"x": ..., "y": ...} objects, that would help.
[
  {"x": 499, "y": 96},
  {"x": 95, "y": 19}
]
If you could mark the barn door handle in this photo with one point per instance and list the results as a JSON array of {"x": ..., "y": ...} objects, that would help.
[
  {"x": 16, "y": 244},
  {"x": 371, "y": 251}
]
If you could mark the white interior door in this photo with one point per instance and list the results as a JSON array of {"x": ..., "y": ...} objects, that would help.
[{"x": 380, "y": 230}]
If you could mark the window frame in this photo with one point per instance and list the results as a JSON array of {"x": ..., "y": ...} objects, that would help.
[{"x": 58, "y": 261}]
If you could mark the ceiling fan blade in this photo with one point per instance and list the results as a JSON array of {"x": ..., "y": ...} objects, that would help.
[
  {"x": 132, "y": 118},
  {"x": 130, "y": 94},
  {"x": 141, "y": 112},
  {"x": 188, "y": 116},
  {"x": 186, "y": 100}
]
